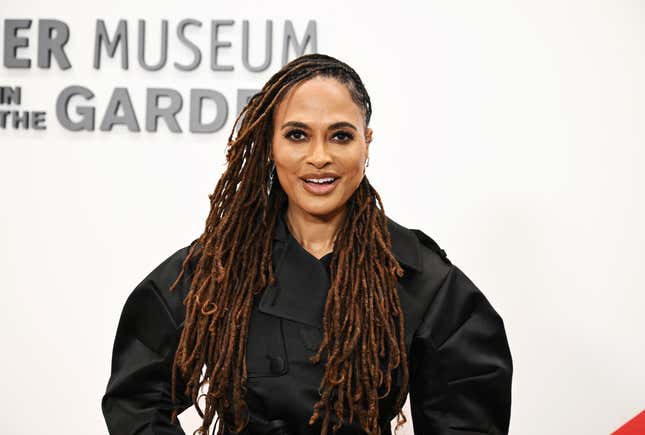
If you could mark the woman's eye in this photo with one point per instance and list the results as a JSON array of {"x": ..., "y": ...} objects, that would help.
[
  {"x": 296, "y": 135},
  {"x": 344, "y": 137},
  {"x": 299, "y": 135}
]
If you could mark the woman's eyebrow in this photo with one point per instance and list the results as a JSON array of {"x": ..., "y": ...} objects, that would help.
[{"x": 335, "y": 125}]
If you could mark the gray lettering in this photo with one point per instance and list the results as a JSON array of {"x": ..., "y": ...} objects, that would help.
[
  {"x": 101, "y": 36},
  {"x": 268, "y": 44},
  {"x": 243, "y": 97},
  {"x": 18, "y": 119},
  {"x": 142, "y": 46},
  {"x": 86, "y": 112},
  {"x": 9, "y": 95},
  {"x": 120, "y": 98},
  {"x": 299, "y": 48},
  {"x": 3, "y": 118},
  {"x": 191, "y": 45},
  {"x": 196, "y": 98},
  {"x": 216, "y": 44},
  {"x": 49, "y": 45},
  {"x": 154, "y": 112},
  {"x": 38, "y": 121},
  {"x": 12, "y": 42}
]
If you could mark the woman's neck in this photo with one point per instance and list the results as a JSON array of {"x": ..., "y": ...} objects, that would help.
[{"x": 316, "y": 234}]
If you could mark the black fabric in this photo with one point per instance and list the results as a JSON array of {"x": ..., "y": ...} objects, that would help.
[
  {"x": 326, "y": 259},
  {"x": 459, "y": 358}
]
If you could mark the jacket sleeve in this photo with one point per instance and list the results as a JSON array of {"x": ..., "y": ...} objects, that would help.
[
  {"x": 138, "y": 394},
  {"x": 461, "y": 365}
]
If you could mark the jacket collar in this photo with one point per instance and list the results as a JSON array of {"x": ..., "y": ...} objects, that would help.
[
  {"x": 405, "y": 244},
  {"x": 300, "y": 292}
]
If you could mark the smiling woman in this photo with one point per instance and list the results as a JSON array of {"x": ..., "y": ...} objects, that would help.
[{"x": 302, "y": 307}]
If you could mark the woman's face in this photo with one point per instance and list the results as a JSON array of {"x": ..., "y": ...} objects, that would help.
[{"x": 319, "y": 134}]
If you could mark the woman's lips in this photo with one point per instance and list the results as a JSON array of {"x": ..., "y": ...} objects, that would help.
[{"x": 322, "y": 188}]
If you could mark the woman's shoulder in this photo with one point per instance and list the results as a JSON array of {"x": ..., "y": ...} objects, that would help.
[
  {"x": 152, "y": 299},
  {"x": 418, "y": 250},
  {"x": 165, "y": 273}
]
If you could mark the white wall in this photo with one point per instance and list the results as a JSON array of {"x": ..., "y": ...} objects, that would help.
[{"x": 509, "y": 131}]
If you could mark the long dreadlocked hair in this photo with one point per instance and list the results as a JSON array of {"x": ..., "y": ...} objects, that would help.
[{"x": 363, "y": 320}]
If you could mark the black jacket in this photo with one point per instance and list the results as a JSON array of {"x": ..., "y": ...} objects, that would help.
[{"x": 459, "y": 359}]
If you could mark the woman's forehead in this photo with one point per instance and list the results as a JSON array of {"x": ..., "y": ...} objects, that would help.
[{"x": 320, "y": 99}]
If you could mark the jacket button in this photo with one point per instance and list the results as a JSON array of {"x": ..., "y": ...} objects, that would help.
[
  {"x": 311, "y": 338},
  {"x": 277, "y": 364}
]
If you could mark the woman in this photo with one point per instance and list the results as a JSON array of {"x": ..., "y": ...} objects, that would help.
[{"x": 303, "y": 308}]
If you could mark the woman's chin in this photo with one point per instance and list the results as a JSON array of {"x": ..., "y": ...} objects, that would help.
[{"x": 322, "y": 208}]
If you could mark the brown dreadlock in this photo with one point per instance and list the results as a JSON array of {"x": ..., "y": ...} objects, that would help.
[{"x": 235, "y": 265}]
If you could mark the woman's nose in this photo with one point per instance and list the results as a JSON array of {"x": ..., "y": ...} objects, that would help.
[{"x": 319, "y": 152}]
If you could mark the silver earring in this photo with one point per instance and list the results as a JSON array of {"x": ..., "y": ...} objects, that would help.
[
  {"x": 367, "y": 162},
  {"x": 271, "y": 175}
]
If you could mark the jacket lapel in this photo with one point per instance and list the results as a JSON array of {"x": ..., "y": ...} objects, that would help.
[{"x": 300, "y": 292}]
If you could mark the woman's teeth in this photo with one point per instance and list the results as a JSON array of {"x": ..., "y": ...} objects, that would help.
[{"x": 320, "y": 180}]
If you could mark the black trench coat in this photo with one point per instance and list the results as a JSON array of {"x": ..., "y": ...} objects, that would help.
[{"x": 459, "y": 359}]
